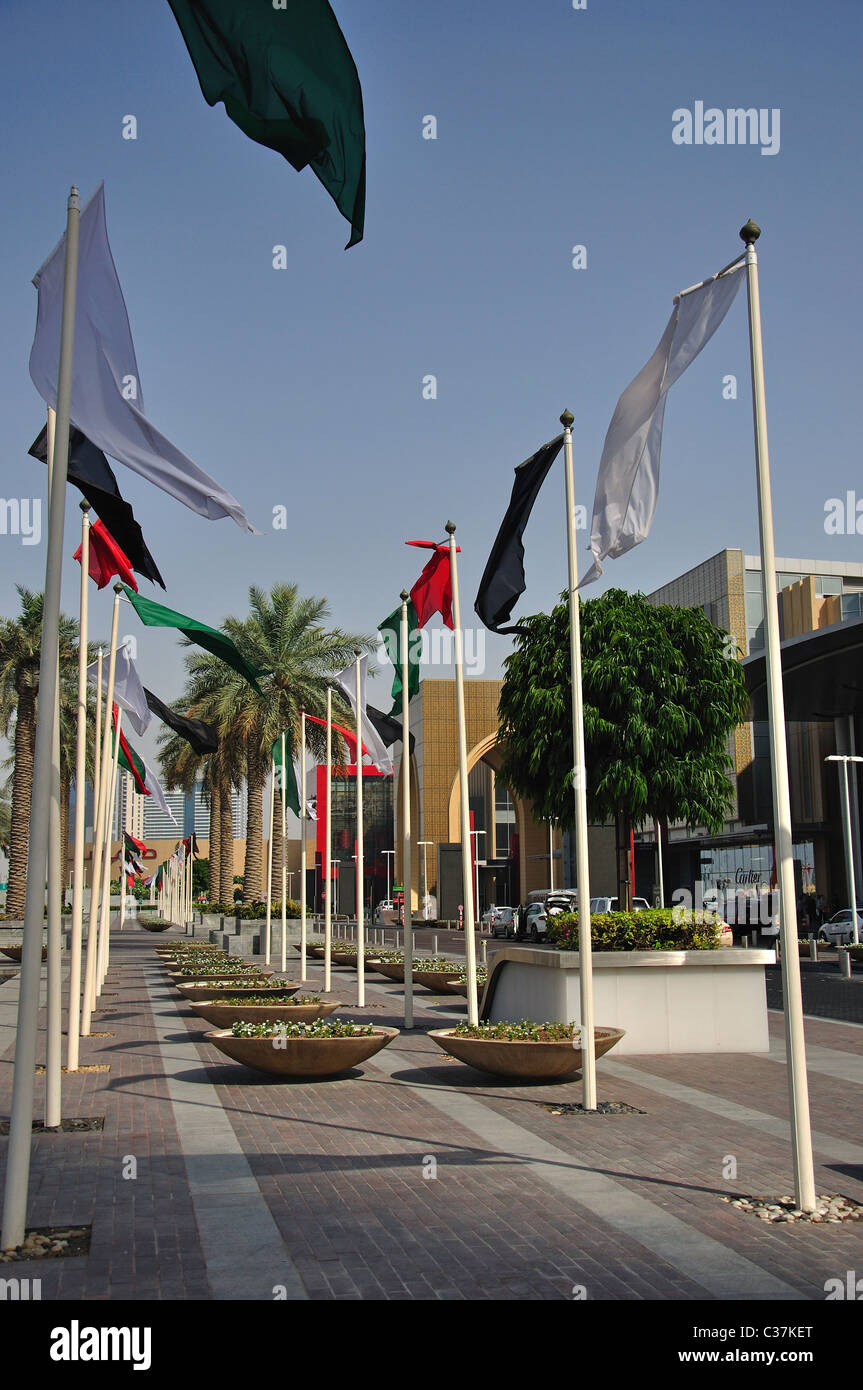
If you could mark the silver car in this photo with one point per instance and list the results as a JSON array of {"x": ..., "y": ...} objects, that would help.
[{"x": 840, "y": 928}]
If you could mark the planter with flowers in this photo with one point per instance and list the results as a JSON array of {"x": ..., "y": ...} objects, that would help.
[
  {"x": 202, "y": 991},
  {"x": 272, "y": 1006},
  {"x": 316, "y": 1049},
  {"x": 524, "y": 1051}
]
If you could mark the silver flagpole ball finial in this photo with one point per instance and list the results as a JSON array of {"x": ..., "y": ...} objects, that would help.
[
  {"x": 450, "y": 528},
  {"x": 567, "y": 419},
  {"x": 404, "y": 595},
  {"x": 750, "y": 233}
]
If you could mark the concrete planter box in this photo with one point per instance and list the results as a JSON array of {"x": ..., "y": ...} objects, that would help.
[{"x": 666, "y": 1001}]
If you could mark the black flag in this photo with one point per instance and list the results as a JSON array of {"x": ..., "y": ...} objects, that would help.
[
  {"x": 91, "y": 472},
  {"x": 389, "y": 729},
  {"x": 203, "y": 737},
  {"x": 503, "y": 580}
]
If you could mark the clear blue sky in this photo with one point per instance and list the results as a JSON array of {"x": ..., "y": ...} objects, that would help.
[{"x": 302, "y": 387}]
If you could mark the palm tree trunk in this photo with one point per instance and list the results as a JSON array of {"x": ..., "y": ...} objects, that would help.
[
  {"x": 276, "y": 832},
  {"x": 252, "y": 870},
  {"x": 226, "y": 846},
  {"x": 22, "y": 790},
  {"x": 215, "y": 857}
]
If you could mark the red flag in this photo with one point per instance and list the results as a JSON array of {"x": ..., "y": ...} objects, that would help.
[
  {"x": 106, "y": 558},
  {"x": 130, "y": 760},
  {"x": 345, "y": 733},
  {"x": 432, "y": 592}
]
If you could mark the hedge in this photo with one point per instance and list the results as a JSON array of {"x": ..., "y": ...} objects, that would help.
[{"x": 657, "y": 930}]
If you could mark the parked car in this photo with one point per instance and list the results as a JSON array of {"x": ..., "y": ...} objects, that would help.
[
  {"x": 561, "y": 900},
  {"x": 611, "y": 905},
  {"x": 487, "y": 917},
  {"x": 503, "y": 922},
  {"x": 535, "y": 924},
  {"x": 839, "y": 930}
]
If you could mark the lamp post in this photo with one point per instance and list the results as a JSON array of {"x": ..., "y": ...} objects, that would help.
[
  {"x": 388, "y": 854},
  {"x": 476, "y": 868},
  {"x": 425, "y": 844},
  {"x": 845, "y": 759}
]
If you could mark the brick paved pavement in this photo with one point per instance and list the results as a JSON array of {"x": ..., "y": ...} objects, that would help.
[{"x": 246, "y": 1184}]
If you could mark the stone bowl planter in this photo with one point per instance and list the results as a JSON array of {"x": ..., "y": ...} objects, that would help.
[
  {"x": 213, "y": 973},
  {"x": 14, "y": 952},
  {"x": 440, "y": 981},
  {"x": 302, "y": 1056},
  {"x": 223, "y": 1015},
  {"x": 217, "y": 989},
  {"x": 154, "y": 926},
  {"x": 523, "y": 1061},
  {"x": 390, "y": 970}
]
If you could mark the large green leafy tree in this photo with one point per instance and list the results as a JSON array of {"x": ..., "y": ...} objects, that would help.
[{"x": 662, "y": 692}]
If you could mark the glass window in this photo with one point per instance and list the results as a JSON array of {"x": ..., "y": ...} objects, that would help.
[
  {"x": 783, "y": 580},
  {"x": 828, "y": 584},
  {"x": 852, "y": 606},
  {"x": 752, "y": 582}
]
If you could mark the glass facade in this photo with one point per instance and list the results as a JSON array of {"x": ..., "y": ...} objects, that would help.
[{"x": 377, "y": 837}]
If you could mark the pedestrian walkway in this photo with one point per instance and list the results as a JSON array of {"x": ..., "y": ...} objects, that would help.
[{"x": 416, "y": 1178}]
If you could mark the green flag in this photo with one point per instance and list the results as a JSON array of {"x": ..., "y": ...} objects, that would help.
[
  {"x": 287, "y": 78},
  {"x": 286, "y": 778},
  {"x": 390, "y": 630},
  {"x": 154, "y": 615}
]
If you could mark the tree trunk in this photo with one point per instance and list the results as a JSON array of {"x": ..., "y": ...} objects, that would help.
[
  {"x": 252, "y": 870},
  {"x": 226, "y": 846},
  {"x": 276, "y": 832},
  {"x": 215, "y": 858},
  {"x": 623, "y": 842},
  {"x": 22, "y": 791}
]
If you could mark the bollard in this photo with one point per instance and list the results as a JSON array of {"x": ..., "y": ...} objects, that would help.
[
  {"x": 844, "y": 962},
  {"x": 434, "y": 945},
  {"x": 813, "y": 947},
  {"x": 744, "y": 941},
  {"x": 484, "y": 952}
]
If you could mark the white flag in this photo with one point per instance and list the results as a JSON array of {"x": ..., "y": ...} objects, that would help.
[
  {"x": 107, "y": 404},
  {"x": 154, "y": 787},
  {"x": 374, "y": 744},
  {"x": 128, "y": 691},
  {"x": 628, "y": 482}
]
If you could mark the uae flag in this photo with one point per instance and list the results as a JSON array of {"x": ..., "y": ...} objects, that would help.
[
  {"x": 202, "y": 737},
  {"x": 106, "y": 558},
  {"x": 391, "y": 632},
  {"x": 389, "y": 728},
  {"x": 131, "y": 762},
  {"x": 134, "y": 849},
  {"x": 155, "y": 615},
  {"x": 287, "y": 78},
  {"x": 286, "y": 778},
  {"x": 432, "y": 592},
  {"x": 503, "y": 580},
  {"x": 91, "y": 473}
]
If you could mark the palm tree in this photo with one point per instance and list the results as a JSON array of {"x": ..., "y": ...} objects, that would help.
[
  {"x": 20, "y": 644},
  {"x": 285, "y": 637}
]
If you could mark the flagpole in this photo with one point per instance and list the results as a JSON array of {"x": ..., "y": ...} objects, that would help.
[
  {"x": 73, "y": 1023},
  {"x": 328, "y": 886},
  {"x": 795, "y": 1047},
  {"x": 303, "y": 818},
  {"x": 105, "y": 906},
  {"x": 467, "y": 885},
  {"x": 284, "y": 864},
  {"x": 582, "y": 865},
  {"x": 99, "y": 827},
  {"x": 21, "y": 1120},
  {"x": 405, "y": 770},
  {"x": 54, "y": 995},
  {"x": 269, "y": 927},
  {"x": 361, "y": 926}
]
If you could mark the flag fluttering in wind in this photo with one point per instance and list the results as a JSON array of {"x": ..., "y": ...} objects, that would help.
[
  {"x": 155, "y": 790},
  {"x": 91, "y": 473},
  {"x": 203, "y": 737},
  {"x": 432, "y": 592},
  {"x": 372, "y": 740},
  {"x": 503, "y": 580},
  {"x": 347, "y": 734},
  {"x": 132, "y": 851},
  {"x": 286, "y": 778},
  {"x": 155, "y": 615},
  {"x": 312, "y": 808},
  {"x": 389, "y": 728},
  {"x": 131, "y": 761},
  {"x": 128, "y": 691},
  {"x": 106, "y": 558},
  {"x": 107, "y": 402},
  {"x": 391, "y": 631},
  {"x": 627, "y": 486},
  {"x": 287, "y": 78}
]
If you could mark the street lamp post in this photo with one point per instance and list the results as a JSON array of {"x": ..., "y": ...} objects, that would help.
[
  {"x": 845, "y": 759},
  {"x": 424, "y": 844}
]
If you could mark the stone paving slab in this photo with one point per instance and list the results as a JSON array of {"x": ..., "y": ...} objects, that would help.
[{"x": 417, "y": 1178}]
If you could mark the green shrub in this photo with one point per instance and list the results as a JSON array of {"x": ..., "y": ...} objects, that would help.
[
  {"x": 856, "y": 952},
  {"x": 656, "y": 930}
]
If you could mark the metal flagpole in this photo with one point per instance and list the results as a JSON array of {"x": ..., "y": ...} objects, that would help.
[
  {"x": 467, "y": 886},
  {"x": 361, "y": 927},
  {"x": 268, "y": 929},
  {"x": 303, "y": 846},
  {"x": 579, "y": 782},
  {"x": 658, "y": 833},
  {"x": 105, "y": 907},
  {"x": 284, "y": 863},
  {"x": 21, "y": 1121},
  {"x": 550, "y": 854},
  {"x": 90, "y": 978},
  {"x": 405, "y": 770},
  {"x": 795, "y": 1047},
  {"x": 328, "y": 881},
  {"x": 73, "y": 1024},
  {"x": 56, "y": 875}
]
